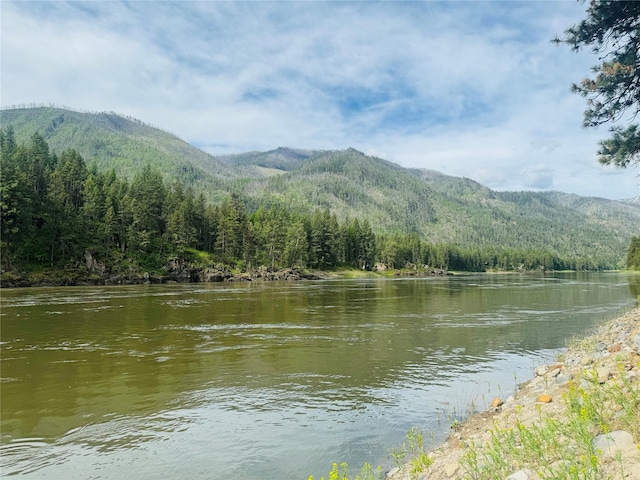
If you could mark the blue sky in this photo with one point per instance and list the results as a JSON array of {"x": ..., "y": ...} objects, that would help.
[{"x": 468, "y": 88}]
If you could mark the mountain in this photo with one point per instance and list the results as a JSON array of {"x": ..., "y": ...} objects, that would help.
[
  {"x": 437, "y": 207},
  {"x": 441, "y": 208},
  {"x": 632, "y": 201},
  {"x": 111, "y": 141}
]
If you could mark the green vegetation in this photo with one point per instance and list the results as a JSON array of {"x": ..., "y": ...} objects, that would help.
[
  {"x": 560, "y": 448},
  {"x": 124, "y": 144},
  {"x": 412, "y": 449},
  {"x": 633, "y": 255},
  {"x": 56, "y": 211},
  {"x": 611, "y": 31},
  {"x": 341, "y": 472},
  {"x": 147, "y": 196}
]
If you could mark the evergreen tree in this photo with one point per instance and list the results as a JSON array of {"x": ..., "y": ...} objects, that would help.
[
  {"x": 36, "y": 165},
  {"x": 94, "y": 214},
  {"x": 233, "y": 231},
  {"x": 147, "y": 204},
  {"x": 367, "y": 250},
  {"x": 296, "y": 250},
  {"x": 181, "y": 222},
  {"x": 270, "y": 229},
  {"x": 14, "y": 199},
  {"x": 633, "y": 255},
  {"x": 611, "y": 29},
  {"x": 323, "y": 252},
  {"x": 65, "y": 201}
]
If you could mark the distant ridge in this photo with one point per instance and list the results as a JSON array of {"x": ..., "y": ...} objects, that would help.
[
  {"x": 88, "y": 112},
  {"x": 632, "y": 201}
]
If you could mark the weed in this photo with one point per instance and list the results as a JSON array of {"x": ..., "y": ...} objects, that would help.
[
  {"x": 563, "y": 448},
  {"x": 340, "y": 472},
  {"x": 399, "y": 454},
  {"x": 419, "y": 464},
  {"x": 368, "y": 473},
  {"x": 414, "y": 448}
]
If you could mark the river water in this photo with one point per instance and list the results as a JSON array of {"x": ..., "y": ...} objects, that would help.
[{"x": 269, "y": 380}]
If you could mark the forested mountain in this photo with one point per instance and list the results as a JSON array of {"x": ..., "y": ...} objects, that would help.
[
  {"x": 111, "y": 141},
  {"x": 395, "y": 201}
]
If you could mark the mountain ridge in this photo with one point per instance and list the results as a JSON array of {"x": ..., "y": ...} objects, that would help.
[{"x": 437, "y": 207}]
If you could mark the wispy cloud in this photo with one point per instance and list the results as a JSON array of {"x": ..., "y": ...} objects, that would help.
[{"x": 467, "y": 88}]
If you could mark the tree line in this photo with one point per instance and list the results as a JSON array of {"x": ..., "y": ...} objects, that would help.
[
  {"x": 54, "y": 209},
  {"x": 633, "y": 254}
]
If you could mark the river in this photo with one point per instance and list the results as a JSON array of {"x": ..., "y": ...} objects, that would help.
[{"x": 270, "y": 380}]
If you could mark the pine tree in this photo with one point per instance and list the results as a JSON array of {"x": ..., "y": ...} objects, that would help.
[
  {"x": 633, "y": 255},
  {"x": 611, "y": 29}
]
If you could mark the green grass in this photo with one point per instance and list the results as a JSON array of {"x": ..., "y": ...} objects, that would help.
[
  {"x": 349, "y": 272},
  {"x": 560, "y": 447},
  {"x": 197, "y": 258}
]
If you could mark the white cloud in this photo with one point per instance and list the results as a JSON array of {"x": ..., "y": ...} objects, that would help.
[
  {"x": 538, "y": 176},
  {"x": 467, "y": 88}
]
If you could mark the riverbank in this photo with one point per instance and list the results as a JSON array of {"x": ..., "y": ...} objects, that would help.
[
  {"x": 178, "y": 274},
  {"x": 178, "y": 271},
  {"x": 578, "y": 417}
]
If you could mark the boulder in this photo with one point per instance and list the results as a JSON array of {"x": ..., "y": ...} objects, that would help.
[
  {"x": 610, "y": 444},
  {"x": 524, "y": 474},
  {"x": 603, "y": 374},
  {"x": 450, "y": 469},
  {"x": 616, "y": 347},
  {"x": 541, "y": 371}
]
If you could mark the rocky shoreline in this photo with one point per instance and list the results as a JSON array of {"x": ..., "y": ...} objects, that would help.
[
  {"x": 176, "y": 272},
  {"x": 578, "y": 417}
]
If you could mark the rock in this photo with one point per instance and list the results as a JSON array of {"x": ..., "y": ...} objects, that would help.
[
  {"x": 392, "y": 472},
  {"x": 633, "y": 472},
  {"x": 600, "y": 346},
  {"x": 616, "y": 347},
  {"x": 603, "y": 374},
  {"x": 520, "y": 475},
  {"x": 541, "y": 371},
  {"x": 544, "y": 398},
  {"x": 450, "y": 469},
  {"x": 562, "y": 379},
  {"x": 555, "y": 372},
  {"x": 586, "y": 361},
  {"x": 637, "y": 342},
  {"x": 496, "y": 403},
  {"x": 608, "y": 445}
]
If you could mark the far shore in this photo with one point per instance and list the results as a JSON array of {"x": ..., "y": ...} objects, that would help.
[{"x": 186, "y": 273}]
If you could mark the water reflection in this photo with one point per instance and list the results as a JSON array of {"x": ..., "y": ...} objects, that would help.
[{"x": 267, "y": 380}]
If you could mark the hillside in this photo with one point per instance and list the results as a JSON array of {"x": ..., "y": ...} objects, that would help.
[
  {"x": 437, "y": 207},
  {"x": 442, "y": 208},
  {"x": 111, "y": 141}
]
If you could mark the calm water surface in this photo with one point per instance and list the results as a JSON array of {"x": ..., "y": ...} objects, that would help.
[{"x": 269, "y": 380}]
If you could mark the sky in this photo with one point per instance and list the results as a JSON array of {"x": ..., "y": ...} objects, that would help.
[{"x": 468, "y": 88}]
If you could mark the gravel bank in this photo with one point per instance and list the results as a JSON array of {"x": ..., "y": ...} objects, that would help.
[{"x": 577, "y": 418}]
